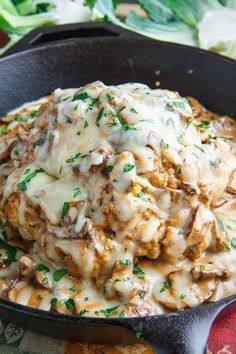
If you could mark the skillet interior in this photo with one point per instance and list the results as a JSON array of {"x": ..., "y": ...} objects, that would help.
[{"x": 117, "y": 58}]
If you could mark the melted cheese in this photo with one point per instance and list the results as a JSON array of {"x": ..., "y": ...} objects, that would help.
[{"x": 109, "y": 174}]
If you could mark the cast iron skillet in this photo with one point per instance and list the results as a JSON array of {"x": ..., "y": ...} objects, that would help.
[{"x": 73, "y": 55}]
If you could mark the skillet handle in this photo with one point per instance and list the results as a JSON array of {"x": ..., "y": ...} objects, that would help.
[
  {"x": 183, "y": 333},
  {"x": 71, "y": 32}
]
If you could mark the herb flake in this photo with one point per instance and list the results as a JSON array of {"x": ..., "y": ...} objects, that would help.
[
  {"x": 23, "y": 185},
  {"x": 58, "y": 274},
  {"x": 128, "y": 167}
]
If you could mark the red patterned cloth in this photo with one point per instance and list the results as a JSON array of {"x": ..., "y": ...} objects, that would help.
[{"x": 222, "y": 338}]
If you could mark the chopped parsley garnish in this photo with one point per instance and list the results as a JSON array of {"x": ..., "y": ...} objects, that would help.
[
  {"x": 72, "y": 159},
  {"x": 125, "y": 262},
  {"x": 138, "y": 270},
  {"x": 173, "y": 314},
  {"x": 122, "y": 314},
  {"x": 27, "y": 171},
  {"x": 21, "y": 119},
  {"x": 110, "y": 98},
  {"x": 199, "y": 148},
  {"x": 53, "y": 301},
  {"x": 81, "y": 96},
  {"x": 122, "y": 108},
  {"x": 140, "y": 258},
  {"x": 76, "y": 107},
  {"x": 77, "y": 192},
  {"x": 69, "y": 304},
  {"x": 178, "y": 104},
  {"x": 38, "y": 143},
  {"x": 233, "y": 242},
  {"x": 211, "y": 136},
  {"x": 4, "y": 235},
  {"x": 226, "y": 245},
  {"x": 22, "y": 185},
  {"x": 82, "y": 312},
  {"x": 4, "y": 131},
  {"x": 99, "y": 117},
  {"x": 167, "y": 285},
  {"x": 109, "y": 311},
  {"x": 166, "y": 146},
  {"x": 204, "y": 124},
  {"x": 58, "y": 274},
  {"x": 170, "y": 122},
  {"x": 138, "y": 334},
  {"x": 4, "y": 277},
  {"x": 11, "y": 252},
  {"x": 179, "y": 171},
  {"x": 139, "y": 194},
  {"x": 34, "y": 114},
  {"x": 141, "y": 294},
  {"x": 73, "y": 289},
  {"x": 128, "y": 127},
  {"x": 117, "y": 120},
  {"x": 179, "y": 138},
  {"x": 42, "y": 268},
  {"x": 109, "y": 168},
  {"x": 45, "y": 281},
  {"x": 133, "y": 110},
  {"x": 193, "y": 153},
  {"x": 86, "y": 298},
  {"x": 128, "y": 167},
  {"x": 220, "y": 223},
  {"x": 182, "y": 296},
  {"x": 65, "y": 209},
  {"x": 214, "y": 163},
  {"x": 202, "y": 267},
  {"x": 141, "y": 277},
  {"x": 86, "y": 124},
  {"x": 100, "y": 201}
]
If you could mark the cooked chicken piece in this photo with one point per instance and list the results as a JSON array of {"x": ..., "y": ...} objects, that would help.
[
  {"x": 42, "y": 279},
  {"x": 231, "y": 188},
  {"x": 200, "y": 236},
  {"x": 209, "y": 271},
  {"x": 24, "y": 216},
  {"x": 146, "y": 309},
  {"x": 173, "y": 244},
  {"x": 26, "y": 265},
  {"x": 5, "y": 284}
]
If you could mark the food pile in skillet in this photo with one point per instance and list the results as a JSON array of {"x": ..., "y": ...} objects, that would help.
[{"x": 117, "y": 201}]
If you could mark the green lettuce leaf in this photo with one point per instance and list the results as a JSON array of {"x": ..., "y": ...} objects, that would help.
[
  {"x": 176, "y": 32},
  {"x": 192, "y": 11},
  {"x": 157, "y": 10}
]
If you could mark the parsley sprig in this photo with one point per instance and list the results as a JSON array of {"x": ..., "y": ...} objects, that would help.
[{"x": 23, "y": 185}]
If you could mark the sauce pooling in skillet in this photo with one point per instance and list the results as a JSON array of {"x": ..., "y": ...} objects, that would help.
[{"x": 117, "y": 201}]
